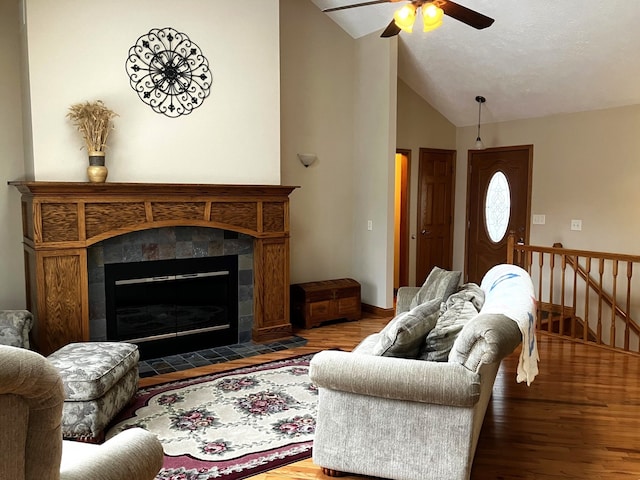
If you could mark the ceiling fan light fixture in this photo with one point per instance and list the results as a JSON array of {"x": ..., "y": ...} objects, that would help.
[
  {"x": 479, "y": 145},
  {"x": 431, "y": 16},
  {"x": 405, "y": 17}
]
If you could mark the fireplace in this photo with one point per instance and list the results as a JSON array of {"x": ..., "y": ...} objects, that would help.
[
  {"x": 173, "y": 306},
  {"x": 156, "y": 276},
  {"x": 62, "y": 221}
]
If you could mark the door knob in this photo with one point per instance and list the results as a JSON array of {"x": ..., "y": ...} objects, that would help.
[{"x": 425, "y": 232}]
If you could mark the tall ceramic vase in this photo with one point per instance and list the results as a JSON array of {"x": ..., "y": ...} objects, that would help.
[{"x": 96, "y": 171}]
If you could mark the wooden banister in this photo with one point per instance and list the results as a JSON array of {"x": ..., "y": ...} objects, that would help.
[
  {"x": 597, "y": 286},
  {"x": 589, "y": 305}
]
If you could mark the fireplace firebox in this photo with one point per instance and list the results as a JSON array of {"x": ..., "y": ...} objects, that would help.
[{"x": 173, "y": 306}]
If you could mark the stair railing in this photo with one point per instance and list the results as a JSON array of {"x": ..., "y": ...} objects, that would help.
[{"x": 583, "y": 295}]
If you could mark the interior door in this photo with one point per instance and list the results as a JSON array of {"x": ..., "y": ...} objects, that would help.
[
  {"x": 435, "y": 211},
  {"x": 401, "y": 219},
  {"x": 498, "y": 202}
]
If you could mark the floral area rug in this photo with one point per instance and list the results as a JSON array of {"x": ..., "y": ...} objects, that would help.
[{"x": 229, "y": 425}]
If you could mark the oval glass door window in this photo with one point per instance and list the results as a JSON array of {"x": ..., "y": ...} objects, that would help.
[{"x": 497, "y": 207}]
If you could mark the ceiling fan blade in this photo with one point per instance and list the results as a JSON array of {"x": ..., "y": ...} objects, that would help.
[
  {"x": 466, "y": 15},
  {"x": 363, "y": 4},
  {"x": 391, "y": 31}
]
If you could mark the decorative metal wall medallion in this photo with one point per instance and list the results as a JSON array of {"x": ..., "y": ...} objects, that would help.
[{"x": 169, "y": 72}]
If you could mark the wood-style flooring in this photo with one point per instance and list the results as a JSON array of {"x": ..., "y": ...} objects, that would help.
[{"x": 580, "y": 418}]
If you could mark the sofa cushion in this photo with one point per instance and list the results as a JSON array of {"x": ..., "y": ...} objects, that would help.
[
  {"x": 440, "y": 284},
  {"x": 368, "y": 345},
  {"x": 458, "y": 310},
  {"x": 403, "y": 336}
]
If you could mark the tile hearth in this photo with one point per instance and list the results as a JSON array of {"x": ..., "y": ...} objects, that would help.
[{"x": 185, "y": 361}]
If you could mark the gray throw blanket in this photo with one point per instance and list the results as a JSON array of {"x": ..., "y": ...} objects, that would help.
[{"x": 458, "y": 309}]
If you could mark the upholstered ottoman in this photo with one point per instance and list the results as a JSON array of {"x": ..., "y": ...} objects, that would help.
[{"x": 99, "y": 380}]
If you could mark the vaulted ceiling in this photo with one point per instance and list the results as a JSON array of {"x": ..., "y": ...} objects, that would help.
[{"x": 539, "y": 58}]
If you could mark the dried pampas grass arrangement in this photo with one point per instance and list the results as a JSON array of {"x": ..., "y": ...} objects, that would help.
[{"x": 94, "y": 121}]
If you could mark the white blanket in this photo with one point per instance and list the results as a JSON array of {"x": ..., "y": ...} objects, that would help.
[{"x": 509, "y": 291}]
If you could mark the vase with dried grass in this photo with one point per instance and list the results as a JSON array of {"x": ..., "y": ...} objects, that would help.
[{"x": 94, "y": 121}]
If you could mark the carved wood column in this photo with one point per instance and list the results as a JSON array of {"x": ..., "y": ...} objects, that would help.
[
  {"x": 271, "y": 288},
  {"x": 62, "y": 219}
]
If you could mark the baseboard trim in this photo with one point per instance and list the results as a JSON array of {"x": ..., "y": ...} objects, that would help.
[{"x": 377, "y": 311}]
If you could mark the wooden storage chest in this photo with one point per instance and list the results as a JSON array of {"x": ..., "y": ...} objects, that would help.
[{"x": 315, "y": 302}]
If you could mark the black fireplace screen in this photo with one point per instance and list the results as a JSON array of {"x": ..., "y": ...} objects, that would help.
[{"x": 180, "y": 299}]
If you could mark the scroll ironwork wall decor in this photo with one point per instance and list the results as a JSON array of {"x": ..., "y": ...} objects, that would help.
[{"x": 169, "y": 72}]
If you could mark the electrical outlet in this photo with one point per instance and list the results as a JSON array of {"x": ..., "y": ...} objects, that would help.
[
  {"x": 576, "y": 225},
  {"x": 369, "y": 224},
  {"x": 539, "y": 219}
]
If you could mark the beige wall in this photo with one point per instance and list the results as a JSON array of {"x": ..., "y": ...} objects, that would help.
[
  {"x": 77, "y": 52},
  {"x": 585, "y": 166},
  {"x": 317, "y": 84},
  {"x": 419, "y": 126},
  {"x": 11, "y": 159},
  {"x": 374, "y": 165},
  {"x": 338, "y": 101}
]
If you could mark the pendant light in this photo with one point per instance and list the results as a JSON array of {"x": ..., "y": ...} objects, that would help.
[{"x": 480, "y": 99}]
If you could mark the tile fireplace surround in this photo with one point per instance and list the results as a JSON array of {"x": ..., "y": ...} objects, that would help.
[{"x": 61, "y": 220}]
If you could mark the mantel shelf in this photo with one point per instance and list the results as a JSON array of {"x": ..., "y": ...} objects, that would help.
[{"x": 146, "y": 189}]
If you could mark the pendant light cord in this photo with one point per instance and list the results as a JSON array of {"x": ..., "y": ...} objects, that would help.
[{"x": 480, "y": 100}]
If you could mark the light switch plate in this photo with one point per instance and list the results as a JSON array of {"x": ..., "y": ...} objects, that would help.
[{"x": 539, "y": 219}]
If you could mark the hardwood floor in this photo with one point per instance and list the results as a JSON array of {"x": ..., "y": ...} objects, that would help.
[{"x": 580, "y": 418}]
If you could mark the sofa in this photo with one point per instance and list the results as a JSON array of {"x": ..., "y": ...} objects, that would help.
[
  {"x": 409, "y": 402},
  {"x": 31, "y": 445}
]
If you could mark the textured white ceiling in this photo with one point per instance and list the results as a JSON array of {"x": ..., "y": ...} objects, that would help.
[{"x": 539, "y": 58}]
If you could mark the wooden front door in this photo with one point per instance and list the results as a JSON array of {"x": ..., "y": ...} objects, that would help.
[
  {"x": 494, "y": 212},
  {"x": 435, "y": 211}
]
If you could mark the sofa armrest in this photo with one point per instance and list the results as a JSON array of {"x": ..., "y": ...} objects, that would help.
[
  {"x": 487, "y": 338},
  {"x": 396, "y": 378},
  {"x": 132, "y": 454},
  {"x": 404, "y": 297},
  {"x": 15, "y": 326}
]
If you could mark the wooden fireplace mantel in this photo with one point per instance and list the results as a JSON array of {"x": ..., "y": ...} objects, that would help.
[{"x": 61, "y": 220}]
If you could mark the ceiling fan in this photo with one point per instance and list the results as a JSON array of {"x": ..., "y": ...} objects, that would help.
[{"x": 432, "y": 11}]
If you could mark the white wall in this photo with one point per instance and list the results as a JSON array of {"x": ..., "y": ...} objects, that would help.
[
  {"x": 585, "y": 166},
  {"x": 12, "y": 294},
  {"x": 77, "y": 52}
]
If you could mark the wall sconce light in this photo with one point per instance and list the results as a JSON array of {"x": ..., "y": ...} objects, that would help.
[{"x": 307, "y": 159}]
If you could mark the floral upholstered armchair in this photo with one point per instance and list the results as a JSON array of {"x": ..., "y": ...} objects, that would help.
[{"x": 15, "y": 326}]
